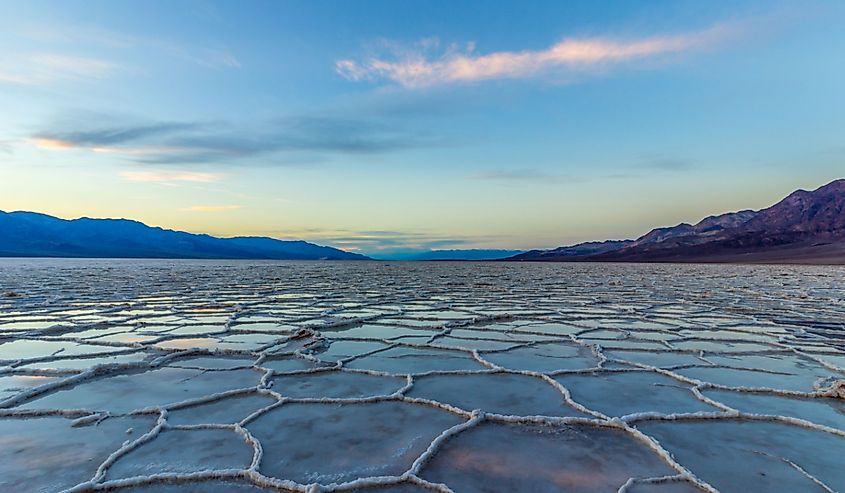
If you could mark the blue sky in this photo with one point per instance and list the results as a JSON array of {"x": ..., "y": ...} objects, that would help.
[{"x": 397, "y": 125}]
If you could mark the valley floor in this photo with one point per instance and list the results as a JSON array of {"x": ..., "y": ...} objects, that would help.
[{"x": 173, "y": 376}]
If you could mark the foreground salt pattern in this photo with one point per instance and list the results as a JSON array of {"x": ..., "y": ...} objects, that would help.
[{"x": 164, "y": 376}]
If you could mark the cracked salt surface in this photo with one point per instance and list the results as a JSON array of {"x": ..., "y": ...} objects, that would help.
[{"x": 245, "y": 377}]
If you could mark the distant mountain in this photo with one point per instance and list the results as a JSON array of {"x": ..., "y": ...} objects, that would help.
[
  {"x": 29, "y": 234},
  {"x": 470, "y": 254},
  {"x": 805, "y": 227},
  {"x": 581, "y": 250}
]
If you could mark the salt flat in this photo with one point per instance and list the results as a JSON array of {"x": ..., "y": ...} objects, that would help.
[{"x": 188, "y": 376}]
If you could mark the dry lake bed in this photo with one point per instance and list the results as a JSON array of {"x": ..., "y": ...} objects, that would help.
[{"x": 246, "y": 377}]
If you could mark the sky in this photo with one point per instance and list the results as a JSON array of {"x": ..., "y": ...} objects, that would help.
[{"x": 391, "y": 126}]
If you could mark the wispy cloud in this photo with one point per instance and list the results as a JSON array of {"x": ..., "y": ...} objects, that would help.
[
  {"x": 109, "y": 135},
  {"x": 43, "y": 68},
  {"x": 212, "y": 208},
  {"x": 643, "y": 167},
  {"x": 93, "y": 35},
  {"x": 385, "y": 241},
  {"x": 520, "y": 174},
  {"x": 663, "y": 163},
  {"x": 421, "y": 66},
  {"x": 74, "y": 65},
  {"x": 222, "y": 142},
  {"x": 162, "y": 176},
  {"x": 649, "y": 166},
  {"x": 216, "y": 58},
  {"x": 58, "y": 62}
]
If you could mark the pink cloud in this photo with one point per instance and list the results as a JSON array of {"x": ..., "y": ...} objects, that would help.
[{"x": 413, "y": 68}]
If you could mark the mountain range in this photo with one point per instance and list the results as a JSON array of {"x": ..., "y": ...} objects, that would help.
[
  {"x": 30, "y": 234},
  {"x": 804, "y": 227}
]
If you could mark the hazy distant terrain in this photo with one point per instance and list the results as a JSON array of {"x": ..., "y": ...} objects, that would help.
[{"x": 471, "y": 254}]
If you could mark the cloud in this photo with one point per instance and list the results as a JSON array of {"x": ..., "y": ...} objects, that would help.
[
  {"x": 666, "y": 164},
  {"x": 58, "y": 64},
  {"x": 645, "y": 167},
  {"x": 7, "y": 145},
  {"x": 74, "y": 65},
  {"x": 16, "y": 78},
  {"x": 212, "y": 208},
  {"x": 415, "y": 67},
  {"x": 44, "y": 68},
  {"x": 385, "y": 242},
  {"x": 161, "y": 176},
  {"x": 108, "y": 136},
  {"x": 522, "y": 174},
  {"x": 216, "y": 57},
  {"x": 216, "y": 142}
]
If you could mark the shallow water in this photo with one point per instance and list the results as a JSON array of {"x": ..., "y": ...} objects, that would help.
[{"x": 185, "y": 376}]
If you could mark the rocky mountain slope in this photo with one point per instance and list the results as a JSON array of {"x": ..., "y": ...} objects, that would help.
[{"x": 804, "y": 227}]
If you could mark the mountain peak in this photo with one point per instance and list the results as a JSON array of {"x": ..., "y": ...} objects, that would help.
[{"x": 836, "y": 186}]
